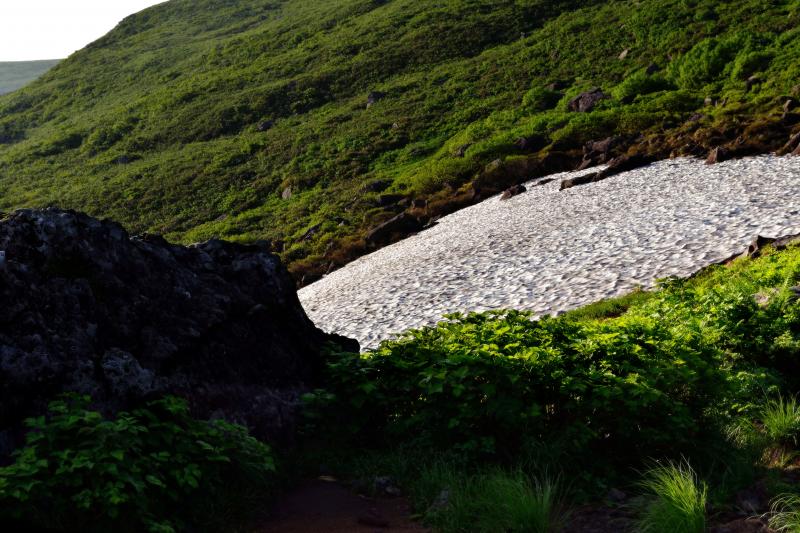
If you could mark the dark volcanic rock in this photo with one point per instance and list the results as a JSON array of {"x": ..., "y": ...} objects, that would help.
[
  {"x": 87, "y": 308},
  {"x": 401, "y": 225},
  {"x": 587, "y": 100},
  {"x": 513, "y": 191},
  {"x": 532, "y": 143},
  {"x": 619, "y": 164},
  {"x": 718, "y": 155}
]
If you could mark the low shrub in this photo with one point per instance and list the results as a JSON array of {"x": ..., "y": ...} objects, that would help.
[
  {"x": 152, "y": 469},
  {"x": 637, "y": 84},
  {"x": 494, "y": 382}
]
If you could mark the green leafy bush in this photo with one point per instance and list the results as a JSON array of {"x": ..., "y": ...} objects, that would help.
[
  {"x": 151, "y": 469},
  {"x": 689, "y": 358},
  {"x": 638, "y": 84},
  {"x": 540, "y": 99},
  {"x": 705, "y": 62},
  {"x": 492, "y": 382}
]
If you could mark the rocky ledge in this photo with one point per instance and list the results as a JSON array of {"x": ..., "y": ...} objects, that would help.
[{"x": 90, "y": 309}]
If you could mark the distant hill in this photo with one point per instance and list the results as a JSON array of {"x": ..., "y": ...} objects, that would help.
[
  {"x": 16, "y": 74},
  {"x": 309, "y": 122}
]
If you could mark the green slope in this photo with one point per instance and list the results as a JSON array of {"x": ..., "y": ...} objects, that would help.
[
  {"x": 16, "y": 74},
  {"x": 157, "y": 123}
]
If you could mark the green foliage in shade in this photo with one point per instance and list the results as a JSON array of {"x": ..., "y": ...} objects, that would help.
[
  {"x": 151, "y": 469},
  {"x": 676, "y": 501},
  {"x": 650, "y": 376},
  {"x": 157, "y": 124}
]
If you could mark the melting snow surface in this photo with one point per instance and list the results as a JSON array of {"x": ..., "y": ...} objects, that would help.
[{"x": 549, "y": 251}]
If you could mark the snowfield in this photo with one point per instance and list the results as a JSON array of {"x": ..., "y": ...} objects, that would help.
[{"x": 549, "y": 251}]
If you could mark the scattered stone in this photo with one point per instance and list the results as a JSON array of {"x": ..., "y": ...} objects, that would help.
[
  {"x": 578, "y": 180},
  {"x": 652, "y": 68},
  {"x": 744, "y": 525},
  {"x": 624, "y": 163},
  {"x": 265, "y": 125},
  {"x": 718, "y": 155},
  {"x": 586, "y": 101},
  {"x": 754, "y": 499},
  {"x": 624, "y": 54},
  {"x": 313, "y": 230},
  {"x": 402, "y": 224},
  {"x": 791, "y": 145},
  {"x": 532, "y": 143},
  {"x": 287, "y": 193},
  {"x": 616, "y": 496},
  {"x": 122, "y": 160},
  {"x": 557, "y": 85},
  {"x": 513, "y": 191},
  {"x": 751, "y": 81},
  {"x": 461, "y": 150},
  {"x": 123, "y": 318},
  {"x": 377, "y": 186},
  {"x": 708, "y": 101},
  {"x": 374, "y": 97},
  {"x": 373, "y": 518},
  {"x": 757, "y": 245},
  {"x": 385, "y": 200}
]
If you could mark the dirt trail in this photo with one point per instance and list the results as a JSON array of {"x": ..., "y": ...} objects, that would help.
[{"x": 325, "y": 506}]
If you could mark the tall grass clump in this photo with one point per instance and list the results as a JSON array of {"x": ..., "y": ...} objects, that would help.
[
  {"x": 781, "y": 421},
  {"x": 676, "y": 502},
  {"x": 786, "y": 514},
  {"x": 502, "y": 501}
]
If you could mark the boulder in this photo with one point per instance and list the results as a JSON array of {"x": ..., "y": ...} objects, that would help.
[
  {"x": 531, "y": 143},
  {"x": 89, "y": 309},
  {"x": 377, "y": 186},
  {"x": 461, "y": 150},
  {"x": 744, "y": 525},
  {"x": 619, "y": 164},
  {"x": 265, "y": 125},
  {"x": 385, "y": 200},
  {"x": 718, "y": 155},
  {"x": 400, "y": 225},
  {"x": 792, "y": 146},
  {"x": 374, "y": 97},
  {"x": 513, "y": 191},
  {"x": 586, "y": 101}
]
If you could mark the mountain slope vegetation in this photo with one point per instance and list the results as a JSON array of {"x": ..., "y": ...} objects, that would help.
[
  {"x": 308, "y": 123},
  {"x": 16, "y": 74}
]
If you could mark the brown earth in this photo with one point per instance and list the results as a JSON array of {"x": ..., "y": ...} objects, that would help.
[{"x": 324, "y": 505}]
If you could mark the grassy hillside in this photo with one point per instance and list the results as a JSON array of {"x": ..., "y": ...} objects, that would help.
[
  {"x": 16, "y": 74},
  {"x": 249, "y": 119}
]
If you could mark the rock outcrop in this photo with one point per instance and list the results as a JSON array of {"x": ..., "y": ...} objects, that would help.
[
  {"x": 87, "y": 308},
  {"x": 586, "y": 101}
]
